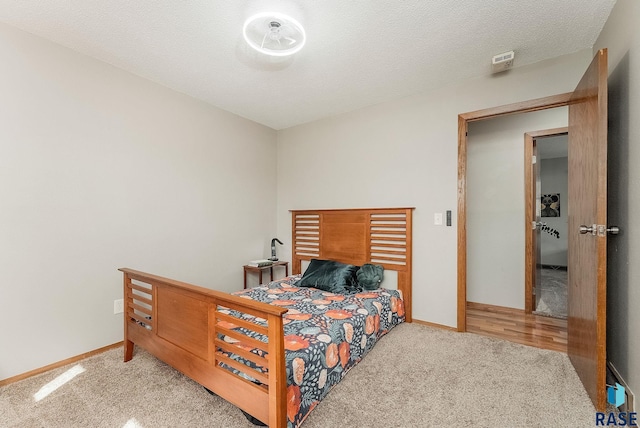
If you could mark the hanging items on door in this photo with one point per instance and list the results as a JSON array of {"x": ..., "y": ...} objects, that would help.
[{"x": 550, "y": 230}]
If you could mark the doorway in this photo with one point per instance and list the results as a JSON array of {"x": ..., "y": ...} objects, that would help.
[
  {"x": 496, "y": 230},
  {"x": 464, "y": 119},
  {"x": 546, "y": 222}
]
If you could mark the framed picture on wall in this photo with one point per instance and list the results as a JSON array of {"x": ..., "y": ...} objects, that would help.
[{"x": 550, "y": 205}]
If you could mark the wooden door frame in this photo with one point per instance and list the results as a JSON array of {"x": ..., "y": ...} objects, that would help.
[
  {"x": 554, "y": 101},
  {"x": 529, "y": 192}
]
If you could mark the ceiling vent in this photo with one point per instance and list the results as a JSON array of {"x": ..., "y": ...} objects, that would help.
[{"x": 502, "y": 62}]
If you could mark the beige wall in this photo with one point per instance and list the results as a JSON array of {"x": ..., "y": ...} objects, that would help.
[
  {"x": 101, "y": 169},
  {"x": 495, "y": 205},
  {"x": 404, "y": 153},
  {"x": 622, "y": 38}
]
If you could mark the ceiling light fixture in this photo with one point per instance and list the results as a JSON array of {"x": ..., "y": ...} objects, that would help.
[{"x": 274, "y": 34}]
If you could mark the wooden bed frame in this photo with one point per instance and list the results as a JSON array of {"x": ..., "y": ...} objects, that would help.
[{"x": 179, "y": 323}]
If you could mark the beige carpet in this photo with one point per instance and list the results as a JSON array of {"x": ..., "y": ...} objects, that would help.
[{"x": 416, "y": 376}]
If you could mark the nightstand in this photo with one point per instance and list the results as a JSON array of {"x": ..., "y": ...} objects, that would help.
[{"x": 260, "y": 269}]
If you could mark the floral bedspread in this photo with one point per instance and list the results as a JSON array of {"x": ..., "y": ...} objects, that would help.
[{"x": 325, "y": 335}]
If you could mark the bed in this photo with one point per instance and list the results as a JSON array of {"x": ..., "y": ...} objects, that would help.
[{"x": 276, "y": 360}]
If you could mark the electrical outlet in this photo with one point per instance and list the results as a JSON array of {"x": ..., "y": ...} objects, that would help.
[
  {"x": 118, "y": 306},
  {"x": 437, "y": 219}
]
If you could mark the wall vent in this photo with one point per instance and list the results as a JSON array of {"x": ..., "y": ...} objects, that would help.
[{"x": 502, "y": 62}]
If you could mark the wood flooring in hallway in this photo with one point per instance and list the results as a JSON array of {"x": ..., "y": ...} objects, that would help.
[{"x": 516, "y": 326}]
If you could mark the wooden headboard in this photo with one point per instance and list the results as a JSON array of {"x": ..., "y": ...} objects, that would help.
[{"x": 356, "y": 236}]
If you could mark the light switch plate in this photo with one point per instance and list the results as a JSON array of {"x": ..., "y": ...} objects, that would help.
[
  {"x": 118, "y": 306},
  {"x": 437, "y": 219}
]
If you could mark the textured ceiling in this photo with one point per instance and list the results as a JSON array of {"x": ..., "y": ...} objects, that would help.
[{"x": 358, "y": 52}]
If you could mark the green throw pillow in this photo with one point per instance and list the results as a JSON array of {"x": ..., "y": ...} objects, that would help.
[
  {"x": 332, "y": 276},
  {"x": 370, "y": 276}
]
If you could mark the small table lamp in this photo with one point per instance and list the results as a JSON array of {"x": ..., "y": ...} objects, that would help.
[{"x": 273, "y": 249}]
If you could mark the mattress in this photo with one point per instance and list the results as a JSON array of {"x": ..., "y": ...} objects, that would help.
[{"x": 325, "y": 335}]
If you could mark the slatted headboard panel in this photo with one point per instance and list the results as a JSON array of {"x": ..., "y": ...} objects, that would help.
[{"x": 356, "y": 236}]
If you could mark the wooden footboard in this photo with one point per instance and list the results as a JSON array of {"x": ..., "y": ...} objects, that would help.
[{"x": 180, "y": 323}]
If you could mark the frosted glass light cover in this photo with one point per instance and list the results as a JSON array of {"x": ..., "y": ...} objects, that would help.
[{"x": 274, "y": 34}]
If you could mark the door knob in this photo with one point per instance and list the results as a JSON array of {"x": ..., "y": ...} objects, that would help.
[
  {"x": 588, "y": 229},
  {"x": 599, "y": 230},
  {"x": 613, "y": 230}
]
